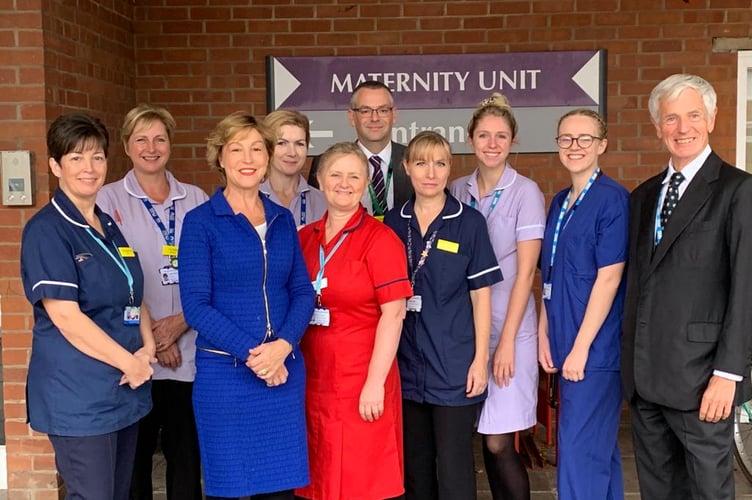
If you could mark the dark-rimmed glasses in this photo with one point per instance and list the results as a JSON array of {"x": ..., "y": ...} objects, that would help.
[
  {"x": 366, "y": 111},
  {"x": 584, "y": 141}
]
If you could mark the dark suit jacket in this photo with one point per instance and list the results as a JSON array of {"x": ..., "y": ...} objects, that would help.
[
  {"x": 403, "y": 188},
  {"x": 689, "y": 301}
]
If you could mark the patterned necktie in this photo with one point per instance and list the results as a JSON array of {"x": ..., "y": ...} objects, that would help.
[
  {"x": 672, "y": 197},
  {"x": 377, "y": 181}
]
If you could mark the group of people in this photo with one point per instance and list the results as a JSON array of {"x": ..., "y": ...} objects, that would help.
[{"x": 345, "y": 336}]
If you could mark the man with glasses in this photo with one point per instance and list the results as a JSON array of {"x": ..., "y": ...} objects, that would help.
[{"x": 372, "y": 114}]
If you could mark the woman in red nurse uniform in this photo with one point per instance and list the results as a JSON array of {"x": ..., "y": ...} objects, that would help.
[{"x": 353, "y": 397}]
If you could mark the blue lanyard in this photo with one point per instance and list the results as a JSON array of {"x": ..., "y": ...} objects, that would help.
[
  {"x": 323, "y": 260},
  {"x": 302, "y": 208},
  {"x": 168, "y": 234},
  {"x": 118, "y": 260},
  {"x": 658, "y": 225},
  {"x": 563, "y": 211},
  {"x": 497, "y": 195}
]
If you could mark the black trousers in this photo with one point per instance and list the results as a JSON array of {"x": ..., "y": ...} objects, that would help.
[
  {"x": 279, "y": 495},
  {"x": 171, "y": 420},
  {"x": 679, "y": 456},
  {"x": 96, "y": 466},
  {"x": 439, "y": 463}
]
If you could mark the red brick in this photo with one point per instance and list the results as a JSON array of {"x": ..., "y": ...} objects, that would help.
[{"x": 468, "y": 9}]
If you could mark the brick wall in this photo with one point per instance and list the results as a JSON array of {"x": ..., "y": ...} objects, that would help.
[
  {"x": 205, "y": 58},
  {"x": 204, "y": 62},
  {"x": 55, "y": 56}
]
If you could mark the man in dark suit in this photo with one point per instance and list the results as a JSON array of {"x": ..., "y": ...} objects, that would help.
[
  {"x": 688, "y": 317},
  {"x": 372, "y": 114}
]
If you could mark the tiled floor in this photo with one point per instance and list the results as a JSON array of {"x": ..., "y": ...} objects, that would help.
[{"x": 542, "y": 480}]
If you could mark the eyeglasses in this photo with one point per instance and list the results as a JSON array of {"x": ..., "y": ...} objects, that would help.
[
  {"x": 584, "y": 141},
  {"x": 364, "y": 111}
]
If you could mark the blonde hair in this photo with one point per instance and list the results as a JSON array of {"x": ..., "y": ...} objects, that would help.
[
  {"x": 422, "y": 146},
  {"x": 496, "y": 105},
  {"x": 146, "y": 114},
  {"x": 336, "y": 151},
  {"x": 276, "y": 119},
  {"x": 603, "y": 132},
  {"x": 229, "y": 127}
]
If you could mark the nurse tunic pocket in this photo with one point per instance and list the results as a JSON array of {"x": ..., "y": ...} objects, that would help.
[
  {"x": 452, "y": 279},
  {"x": 95, "y": 282}
]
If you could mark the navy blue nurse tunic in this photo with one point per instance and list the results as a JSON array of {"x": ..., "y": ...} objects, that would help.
[
  {"x": 68, "y": 392},
  {"x": 437, "y": 345}
]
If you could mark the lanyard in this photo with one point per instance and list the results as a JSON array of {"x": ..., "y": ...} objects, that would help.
[
  {"x": 658, "y": 209},
  {"x": 167, "y": 234},
  {"x": 377, "y": 208},
  {"x": 118, "y": 260},
  {"x": 563, "y": 211},
  {"x": 302, "y": 208},
  {"x": 658, "y": 226},
  {"x": 323, "y": 260},
  {"x": 494, "y": 201},
  {"x": 423, "y": 254}
]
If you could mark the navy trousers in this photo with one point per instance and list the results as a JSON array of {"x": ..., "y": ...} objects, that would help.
[{"x": 96, "y": 467}]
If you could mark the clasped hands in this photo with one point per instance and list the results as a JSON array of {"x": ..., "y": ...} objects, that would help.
[{"x": 267, "y": 361}]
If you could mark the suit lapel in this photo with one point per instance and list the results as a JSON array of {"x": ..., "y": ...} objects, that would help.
[
  {"x": 697, "y": 194},
  {"x": 646, "y": 224},
  {"x": 400, "y": 176}
]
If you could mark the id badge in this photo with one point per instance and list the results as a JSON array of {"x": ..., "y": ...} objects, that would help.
[
  {"x": 132, "y": 315},
  {"x": 169, "y": 275},
  {"x": 547, "y": 291},
  {"x": 320, "y": 317},
  {"x": 415, "y": 303}
]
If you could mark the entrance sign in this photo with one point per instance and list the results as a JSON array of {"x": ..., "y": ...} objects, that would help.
[{"x": 440, "y": 92}]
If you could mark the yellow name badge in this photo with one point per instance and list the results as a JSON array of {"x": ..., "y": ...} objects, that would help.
[
  {"x": 126, "y": 252},
  {"x": 448, "y": 246},
  {"x": 169, "y": 250}
]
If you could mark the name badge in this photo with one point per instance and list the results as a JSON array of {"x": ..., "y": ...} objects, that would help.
[
  {"x": 169, "y": 275},
  {"x": 320, "y": 317},
  {"x": 547, "y": 291},
  {"x": 170, "y": 250},
  {"x": 415, "y": 303},
  {"x": 448, "y": 246},
  {"x": 132, "y": 315},
  {"x": 126, "y": 252}
]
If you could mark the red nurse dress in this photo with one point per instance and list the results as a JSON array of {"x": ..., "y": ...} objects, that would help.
[{"x": 350, "y": 458}]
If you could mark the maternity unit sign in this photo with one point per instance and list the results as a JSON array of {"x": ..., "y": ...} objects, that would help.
[{"x": 440, "y": 92}]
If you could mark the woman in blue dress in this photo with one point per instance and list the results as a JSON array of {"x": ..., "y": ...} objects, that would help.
[
  {"x": 582, "y": 261},
  {"x": 246, "y": 291}
]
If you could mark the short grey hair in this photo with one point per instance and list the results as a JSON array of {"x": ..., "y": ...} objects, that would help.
[{"x": 671, "y": 87}]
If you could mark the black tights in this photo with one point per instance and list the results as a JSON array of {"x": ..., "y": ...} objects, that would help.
[
  {"x": 507, "y": 475},
  {"x": 278, "y": 495}
]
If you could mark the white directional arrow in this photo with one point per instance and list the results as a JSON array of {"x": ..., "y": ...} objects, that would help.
[
  {"x": 284, "y": 83},
  {"x": 589, "y": 76}
]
